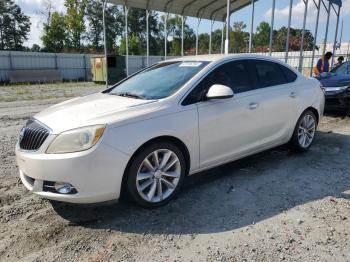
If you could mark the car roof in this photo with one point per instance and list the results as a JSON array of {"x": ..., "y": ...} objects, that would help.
[
  {"x": 218, "y": 57},
  {"x": 227, "y": 57}
]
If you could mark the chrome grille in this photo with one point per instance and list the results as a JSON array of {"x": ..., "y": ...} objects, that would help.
[{"x": 33, "y": 135}]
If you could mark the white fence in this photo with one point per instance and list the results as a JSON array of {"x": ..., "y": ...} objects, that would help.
[
  {"x": 294, "y": 58},
  {"x": 78, "y": 66},
  {"x": 71, "y": 66}
]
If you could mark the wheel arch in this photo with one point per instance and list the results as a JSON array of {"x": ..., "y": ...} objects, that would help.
[
  {"x": 170, "y": 139},
  {"x": 315, "y": 111}
]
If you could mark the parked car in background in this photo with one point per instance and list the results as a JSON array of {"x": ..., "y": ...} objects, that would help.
[
  {"x": 144, "y": 135},
  {"x": 337, "y": 87}
]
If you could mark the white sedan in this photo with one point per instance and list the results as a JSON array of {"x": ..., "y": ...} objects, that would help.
[{"x": 144, "y": 135}]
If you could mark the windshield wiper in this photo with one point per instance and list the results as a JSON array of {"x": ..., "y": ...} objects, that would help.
[{"x": 127, "y": 94}]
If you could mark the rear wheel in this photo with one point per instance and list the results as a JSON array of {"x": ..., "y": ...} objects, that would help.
[
  {"x": 156, "y": 174},
  {"x": 304, "y": 132}
]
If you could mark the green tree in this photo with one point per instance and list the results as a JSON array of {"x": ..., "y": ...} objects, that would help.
[
  {"x": 137, "y": 27},
  {"x": 203, "y": 43},
  {"x": 133, "y": 45},
  {"x": 175, "y": 47},
  {"x": 114, "y": 24},
  {"x": 174, "y": 28},
  {"x": 35, "y": 48},
  {"x": 76, "y": 10},
  {"x": 55, "y": 34},
  {"x": 262, "y": 36},
  {"x": 280, "y": 35},
  {"x": 239, "y": 38},
  {"x": 14, "y": 26},
  {"x": 216, "y": 41}
]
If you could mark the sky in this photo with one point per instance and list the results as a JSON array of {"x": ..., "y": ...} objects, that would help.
[{"x": 262, "y": 13}]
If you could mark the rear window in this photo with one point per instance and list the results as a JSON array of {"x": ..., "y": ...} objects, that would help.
[
  {"x": 269, "y": 74},
  {"x": 289, "y": 74}
]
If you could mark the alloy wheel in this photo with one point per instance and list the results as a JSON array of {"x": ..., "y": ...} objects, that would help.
[
  {"x": 306, "y": 131},
  {"x": 158, "y": 175}
]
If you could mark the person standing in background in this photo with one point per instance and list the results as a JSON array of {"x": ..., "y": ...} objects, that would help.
[
  {"x": 340, "y": 61},
  {"x": 323, "y": 64}
]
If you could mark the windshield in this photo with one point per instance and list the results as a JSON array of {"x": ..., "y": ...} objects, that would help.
[
  {"x": 342, "y": 69},
  {"x": 159, "y": 81}
]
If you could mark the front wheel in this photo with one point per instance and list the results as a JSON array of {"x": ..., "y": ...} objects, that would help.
[
  {"x": 156, "y": 174},
  {"x": 304, "y": 132}
]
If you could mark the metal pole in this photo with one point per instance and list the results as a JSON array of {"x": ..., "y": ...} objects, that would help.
[
  {"x": 341, "y": 32},
  {"x": 147, "y": 37},
  {"x": 272, "y": 24},
  {"x": 210, "y": 36},
  {"x": 222, "y": 38},
  {"x": 105, "y": 39},
  {"x": 165, "y": 36},
  {"x": 306, "y": 2},
  {"x": 227, "y": 40},
  {"x": 251, "y": 27},
  {"x": 182, "y": 35},
  {"x": 198, "y": 23},
  {"x": 288, "y": 31},
  {"x": 10, "y": 60},
  {"x": 315, "y": 39},
  {"x": 336, "y": 35},
  {"x": 126, "y": 10},
  {"x": 327, "y": 25}
]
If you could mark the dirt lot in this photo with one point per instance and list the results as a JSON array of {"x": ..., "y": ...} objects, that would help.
[{"x": 269, "y": 207}]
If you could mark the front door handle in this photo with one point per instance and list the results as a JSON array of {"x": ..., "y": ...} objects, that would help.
[
  {"x": 253, "y": 105},
  {"x": 292, "y": 94}
]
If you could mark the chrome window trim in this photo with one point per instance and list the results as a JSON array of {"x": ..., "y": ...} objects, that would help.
[{"x": 228, "y": 60}]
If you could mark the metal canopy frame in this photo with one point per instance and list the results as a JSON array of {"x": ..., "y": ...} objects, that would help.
[{"x": 218, "y": 10}]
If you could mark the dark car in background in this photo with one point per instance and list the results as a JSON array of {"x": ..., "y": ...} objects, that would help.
[{"x": 337, "y": 87}]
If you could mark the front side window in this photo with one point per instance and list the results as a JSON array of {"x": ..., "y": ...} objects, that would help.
[
  {"x": 159, "y": 81},
  {"x": 235, "y": 75},
  {"x": 269, "y": 73}
]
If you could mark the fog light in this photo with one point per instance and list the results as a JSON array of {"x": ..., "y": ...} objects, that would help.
[{"x": 63, "y": 188}]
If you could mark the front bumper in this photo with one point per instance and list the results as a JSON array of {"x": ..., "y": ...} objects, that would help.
[
  {"x": 96, "y": 174},
  {"x": 337, "y": 100}
]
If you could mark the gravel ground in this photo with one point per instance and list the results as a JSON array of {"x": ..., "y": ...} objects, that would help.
[{"x": 274, "y": 206}]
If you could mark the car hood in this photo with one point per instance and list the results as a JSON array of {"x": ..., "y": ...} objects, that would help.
[
  {"x": 335, "y": 80},
  {"x": 92, "y": 109}
]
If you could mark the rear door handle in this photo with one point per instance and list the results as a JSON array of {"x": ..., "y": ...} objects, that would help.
[
  {"x": 253, "y": 105},
  {"x": 292, "y": 94}
]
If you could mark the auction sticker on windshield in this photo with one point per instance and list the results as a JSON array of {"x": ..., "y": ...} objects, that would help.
[{"x": 190, "y": 64}]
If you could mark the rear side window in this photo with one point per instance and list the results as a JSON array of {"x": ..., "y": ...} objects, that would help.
[
  {"x": 269, "y": 74},
  {"x": 289, "y": 74}
]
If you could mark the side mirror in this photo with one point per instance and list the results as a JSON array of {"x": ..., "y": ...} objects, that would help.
[{"x": 219, "y": 92}]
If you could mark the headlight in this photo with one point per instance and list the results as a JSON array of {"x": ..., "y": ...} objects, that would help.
[
  {"x": 75, "y": 140},
  {"x": 337, "y": 88}
]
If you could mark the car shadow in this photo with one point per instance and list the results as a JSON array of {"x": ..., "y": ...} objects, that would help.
[{"x": 234, "y": 195}]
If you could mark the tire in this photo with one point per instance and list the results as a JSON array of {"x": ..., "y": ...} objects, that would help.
[
  {"x": 155, "y": 174},
  {"x": 302, "y": 139}
]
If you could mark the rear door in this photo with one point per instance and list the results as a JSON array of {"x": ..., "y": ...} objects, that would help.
[{"x": 279, "y": 100}]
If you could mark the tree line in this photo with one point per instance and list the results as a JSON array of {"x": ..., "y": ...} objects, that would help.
[{"x": 80, "y": 29}]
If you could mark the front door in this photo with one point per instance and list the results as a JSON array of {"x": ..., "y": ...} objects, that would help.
[{"x": 229, "y": 128}]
